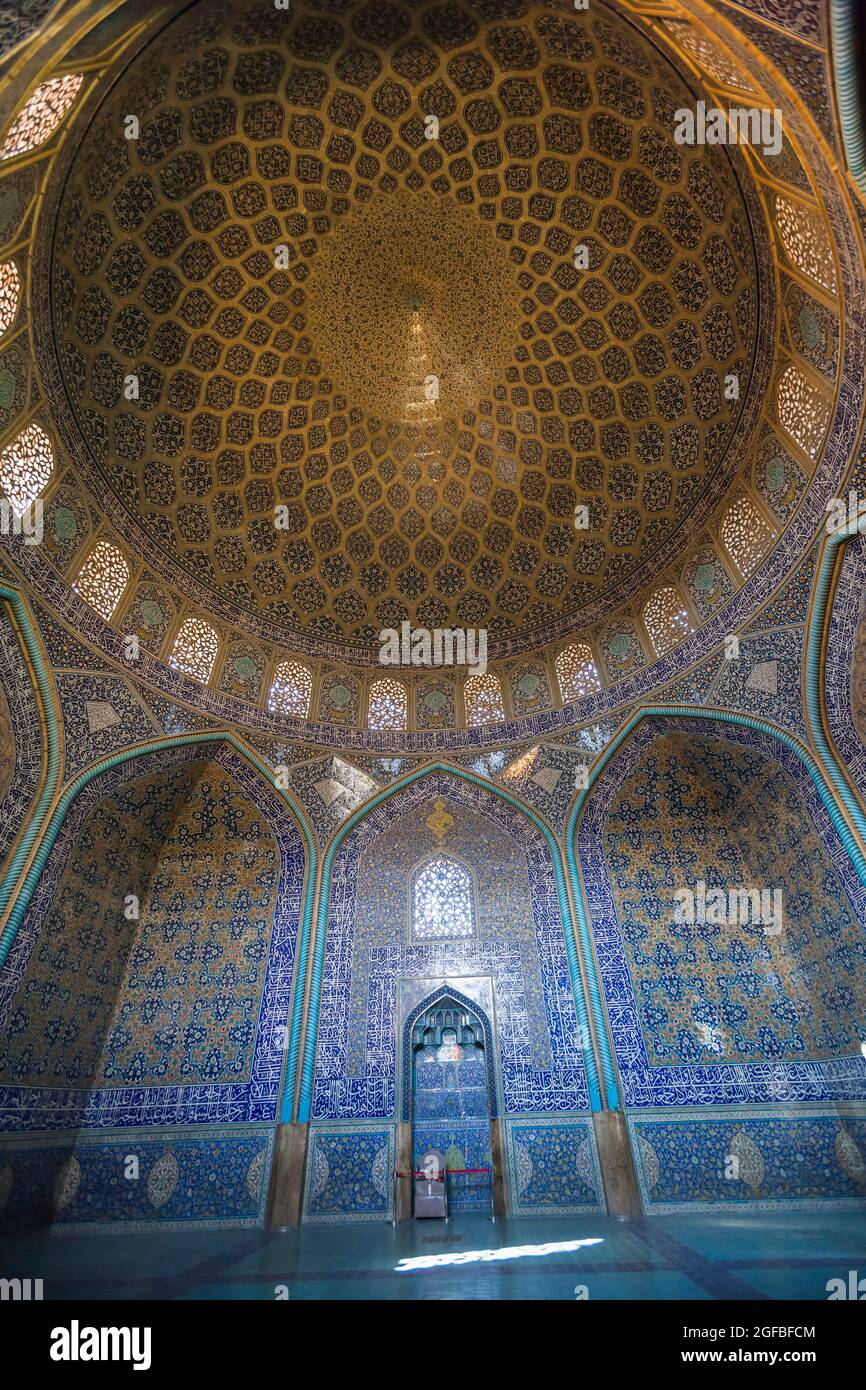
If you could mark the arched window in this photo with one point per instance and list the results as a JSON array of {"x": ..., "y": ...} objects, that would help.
[
  {"x": 576, "y": 671},
  {"x": 10, "y": 291},
  {"x": 805, "y": 240},
  {"x": 25, "y": 467},
  {"x": 666, "y": 619},
  {"x": 442, "y": 900},
  {"x": 745, "y": 534},
  {"x": 103, "y": 578},
  {"x": 290, "y": 689},
  {"x": 41, "y": 115},
  {"x": 801, "y": 408},
  {"x": 195, "y": 649},
  {"x": 387, "y": 704},
  {"x": 483, "y": 697}
]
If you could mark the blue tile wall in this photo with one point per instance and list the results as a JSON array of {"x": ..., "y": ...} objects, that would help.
[
  {"x": 465, "y": 1145},
  {"x": 553, "y": 1167},
  {"x": 791, "y": 1073},
  {"x": 207, "y": 1177},
  {"x": 786, "y": 1158},
  {"x": 350, "y": 1173},
  {"x": 520, "y": 948}
]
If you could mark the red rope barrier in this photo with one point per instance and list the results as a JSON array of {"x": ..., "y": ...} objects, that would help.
[{"x": 448, "y": 1172}]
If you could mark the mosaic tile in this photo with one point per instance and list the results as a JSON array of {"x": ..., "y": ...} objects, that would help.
[
  {"x": 788, "y": 1158},
  {"x": 208, "y": 1178}
]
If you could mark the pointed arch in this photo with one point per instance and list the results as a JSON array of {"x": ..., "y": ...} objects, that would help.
[
  {"x": 318, "y": 952},
  {"x": 45, "y": 837},
  {"x": 606, "y": 757},
  {"x": 462, "y": 1001},
  {"x": 588, "y": 815}
]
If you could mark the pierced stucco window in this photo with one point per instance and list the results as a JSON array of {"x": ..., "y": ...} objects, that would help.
[
  {"x": 290, "y": 689},
  {"x": 576, "y": 671},
  {"x": 666, "y": 619},
  {"x": 483, "y": 697},
  {"x": 442, "y": 900},
  {"x": 195, "y": 649},
  {"x": 41, "y": 114},
  {"x": 387, "y": 704},
  {"x": 103, "y": 578}
]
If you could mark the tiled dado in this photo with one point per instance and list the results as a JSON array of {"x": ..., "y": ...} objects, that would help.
[
  {"x": 204, "y": 1177},
  {"x": 761, "y": 1159},
  {"x": 552, "y": 1168},
  {"x": 350, "y": 1173}
]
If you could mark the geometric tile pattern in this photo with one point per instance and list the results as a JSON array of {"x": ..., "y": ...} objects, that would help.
[{"x": 450, "y": 509}]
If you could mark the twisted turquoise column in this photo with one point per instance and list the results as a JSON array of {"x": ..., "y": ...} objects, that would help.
[
  {"x": 692, "y": 712},
  {"x": 849, "y": 85},
  {"x": 37, "y": 817},
  {"x": 814, "y": 673},
  {"x": 308, "y": 1066}
]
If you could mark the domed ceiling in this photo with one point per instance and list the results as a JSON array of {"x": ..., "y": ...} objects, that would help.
[{"x": 386, "y": 334}]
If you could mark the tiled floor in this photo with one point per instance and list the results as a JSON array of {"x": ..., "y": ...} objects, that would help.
[{"x": 778, "y": 1255}]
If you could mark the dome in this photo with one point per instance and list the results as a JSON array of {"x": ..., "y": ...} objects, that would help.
[{"x": 473, "y": 378}]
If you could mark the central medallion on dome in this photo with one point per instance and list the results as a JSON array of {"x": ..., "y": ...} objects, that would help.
[{"x": 413, "y": 308}]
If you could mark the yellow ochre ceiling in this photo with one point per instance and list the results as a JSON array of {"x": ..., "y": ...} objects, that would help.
[{"x": 385, "y": 333}]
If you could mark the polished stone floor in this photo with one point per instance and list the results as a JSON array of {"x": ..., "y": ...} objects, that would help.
[{"x": 754, "y": 1256}]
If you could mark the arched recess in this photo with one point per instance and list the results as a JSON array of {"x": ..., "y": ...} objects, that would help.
[
  {"x": 444, "y": 996},
  {"x": 448, "y": 1089},
  {"x": 735, "y": 1034},
  {"x": 42, "y": 837},
  {"x": 441, "y": 779},
  {"x": 725, "y": 718},
  {"x": 183, "y": 1017}
]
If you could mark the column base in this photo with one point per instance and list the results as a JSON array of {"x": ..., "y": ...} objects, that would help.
[
  {"x": 617, "y": 1165},
  {"x": 286, "y": 1198}
]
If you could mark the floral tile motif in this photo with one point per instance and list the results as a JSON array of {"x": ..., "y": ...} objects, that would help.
[
  {"x": 108, "y": 1032},
  {"x": 208, "y": 1178},
  {"x": 763, "y": 1159},
  {"x": 350, "y": 1174},
  {"x": 100, "y": 715},
  {"x": 698, "y": 1019},
  {"x": 553, "y": 1167},
  {"x": 765, "y": 679}
]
